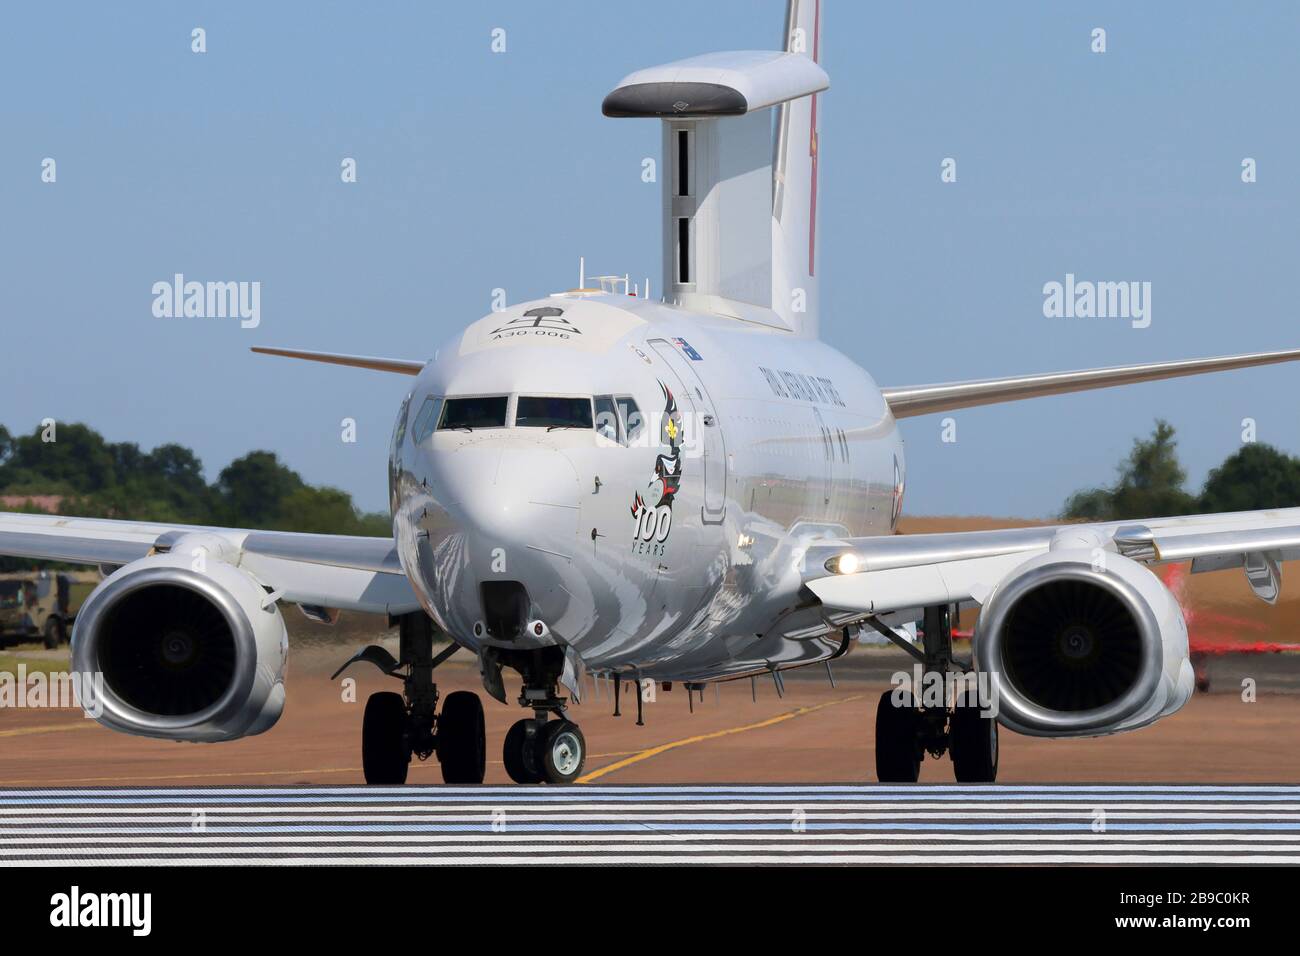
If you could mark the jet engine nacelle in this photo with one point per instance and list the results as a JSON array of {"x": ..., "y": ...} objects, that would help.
[
  {"x": 1082, "y": 642},
  {"x": 187, "y": 645}
]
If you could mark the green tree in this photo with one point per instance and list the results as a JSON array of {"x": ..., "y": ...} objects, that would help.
[
  {"x": 174, "y": 475},
  {"x": 78, "y": 460},
  {"x": 99, "y": 479},
  {"x": 1094, "y": 504},
  {"x": 252, "y": 490},
  {"x": 1255, "y": 477},
  {"x": 1150, "y": 484},
  {"x": 374, "y": 524},
  {"x": 318, "y": 510}
]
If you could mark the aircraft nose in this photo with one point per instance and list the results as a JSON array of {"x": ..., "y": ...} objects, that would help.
[{"x": 509, "y": 497}]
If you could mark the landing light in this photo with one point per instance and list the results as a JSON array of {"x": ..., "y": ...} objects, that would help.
[{"x": 846, "y": 563}]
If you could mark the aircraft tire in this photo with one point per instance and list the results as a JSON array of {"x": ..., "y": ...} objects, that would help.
[
  {"x": 513, "y": 754},
  {"x": 385, "y": 750},
  {"x": 563, "y": 752},
  {"x": 973, "y": 744},
  {"x": 898, "y": 754},
  {"x": 462, "y": 740}
]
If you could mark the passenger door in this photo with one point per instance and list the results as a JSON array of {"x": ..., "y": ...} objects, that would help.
[{"x": 712, "y": 445}]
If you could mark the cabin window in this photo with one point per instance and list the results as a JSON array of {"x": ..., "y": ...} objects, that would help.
[
  {"x": 552, "y": 412},
  {"x": 484, "y": 411}
]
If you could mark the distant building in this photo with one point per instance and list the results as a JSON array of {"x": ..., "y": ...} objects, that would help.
[{"x": 46, "y": 503}]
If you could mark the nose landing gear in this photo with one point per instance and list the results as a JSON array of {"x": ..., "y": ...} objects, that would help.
[
  {"x": 542, "y": 751},
  {"x": 520, "y": 752},
  {"x": 539, "y": 749}
]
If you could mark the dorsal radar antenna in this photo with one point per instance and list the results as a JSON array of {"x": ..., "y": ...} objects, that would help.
[{"x": 739, "y": 203}]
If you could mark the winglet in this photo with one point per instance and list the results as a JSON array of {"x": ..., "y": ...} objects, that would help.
[{"x": 399, "y": 366}]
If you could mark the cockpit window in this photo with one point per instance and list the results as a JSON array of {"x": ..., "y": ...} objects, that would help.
[
  {"x": 422, "y": 427},
  {"x": 486, "y": 411},
  {"x": 399, "y": 430},
  {"x": 631, "y": 418},
  {"x": 606, "y": 417},
  {"x": 618, "y": 418},
  {"x": 550, "y": 412}
]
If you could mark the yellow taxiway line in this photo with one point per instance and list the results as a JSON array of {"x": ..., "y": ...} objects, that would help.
[
  {"x": 674, "y": 744},
  {"x": 146, "y": 779},
  {"x": 629, "y": 757},
  {"x": 47, "y": 729}
]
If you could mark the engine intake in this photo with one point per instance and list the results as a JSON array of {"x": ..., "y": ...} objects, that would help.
[
  {"x": 184, "y": 654},
  {"x": 168, "y": 650},
  {"x": 1072, "y": 645},
  {"x": 1083, "y": 647}
]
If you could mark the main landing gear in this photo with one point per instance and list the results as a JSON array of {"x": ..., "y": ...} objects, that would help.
[
  {"x": 399, "y": 726},
  {"x": 540, "y": 749},
  {"x": 906, "y": 730}
]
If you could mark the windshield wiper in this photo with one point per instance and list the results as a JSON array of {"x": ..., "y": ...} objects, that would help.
[{"x": 551, "y": 428}]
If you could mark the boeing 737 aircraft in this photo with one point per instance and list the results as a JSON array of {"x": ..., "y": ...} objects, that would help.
[{"x": 688, "y": 488}]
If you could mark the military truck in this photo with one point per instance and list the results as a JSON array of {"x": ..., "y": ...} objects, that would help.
[{"x": 34, "y": 607}]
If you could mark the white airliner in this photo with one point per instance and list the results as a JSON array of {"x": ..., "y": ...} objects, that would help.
[{"x": 692, "y": 489}]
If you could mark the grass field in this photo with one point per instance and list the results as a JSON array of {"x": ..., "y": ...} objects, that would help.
[{"x": 35, "y": 657}]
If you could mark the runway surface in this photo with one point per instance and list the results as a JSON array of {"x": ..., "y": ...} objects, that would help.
[
  {"x": 816, "y": 734},
  {"x": 833, "y": 824}
]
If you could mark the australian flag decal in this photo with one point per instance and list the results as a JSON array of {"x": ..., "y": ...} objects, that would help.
[{"x": 686, "y": 347}]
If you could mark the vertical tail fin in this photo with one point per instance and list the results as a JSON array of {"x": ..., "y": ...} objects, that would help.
[
  {"x": 794, "y": 189},
  {"x": 739, "y": 195}
]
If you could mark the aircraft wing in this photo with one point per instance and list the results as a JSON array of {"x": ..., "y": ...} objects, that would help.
[
  {"x": 901, "y": 572},
  {"x": 908, "y": 400},
  {"x": 320, "y": 570},
  {"x": 397, "y": 366}
]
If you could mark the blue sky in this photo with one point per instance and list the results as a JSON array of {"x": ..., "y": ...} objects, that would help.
[{"x": 478, "y": 170}]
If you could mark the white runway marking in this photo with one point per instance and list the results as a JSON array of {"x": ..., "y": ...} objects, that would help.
[{"x": 946, "y": 824}]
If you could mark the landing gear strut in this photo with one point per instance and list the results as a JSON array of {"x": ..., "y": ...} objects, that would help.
[
  {"x": 540, "y": 749},
  {"x": 399, "y": 726},
  {"x": 906, "y": 730}
]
